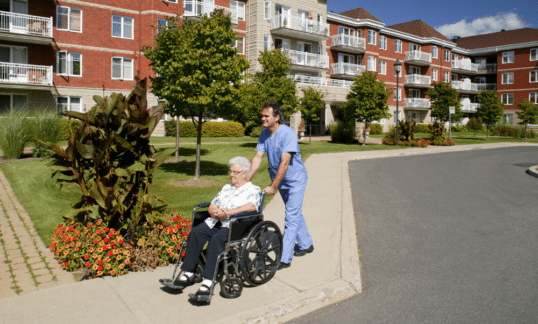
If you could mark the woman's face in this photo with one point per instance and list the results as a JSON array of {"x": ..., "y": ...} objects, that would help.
[{"x": 236, "y": 174}]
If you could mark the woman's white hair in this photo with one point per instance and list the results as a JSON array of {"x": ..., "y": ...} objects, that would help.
[{"x": 241, "y": 161}]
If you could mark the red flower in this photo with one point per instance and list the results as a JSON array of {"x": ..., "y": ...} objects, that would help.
[
  {"x": 70, "y": 229},
  {"x": 178, "y": 246},
  {"x": 105, "y": 239},
  {"x": 95, "y": 241},
  {"x": 59, "y": 261},
  {"x": 64, "y": 265},
  {"x": 100, "y": 268},
  {"x": 186, "y": 234},
  {"x": 111, "y": 235},
  {"x": 88, "y": 265},
  {"x": 110, "y": 253},
  {"x": 86, "y": 257},
  {"x": 99, "y": 221},
  {"x": 100, "y": 262},
  {"x": 120, "y": 241}
]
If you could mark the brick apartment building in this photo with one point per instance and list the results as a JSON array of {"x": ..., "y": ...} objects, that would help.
[{"x": 61, "y": 53}]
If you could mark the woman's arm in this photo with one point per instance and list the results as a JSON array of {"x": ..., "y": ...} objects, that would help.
[
  {"x": 248, "y": 207},
  {"x": 215, "y": 212}
]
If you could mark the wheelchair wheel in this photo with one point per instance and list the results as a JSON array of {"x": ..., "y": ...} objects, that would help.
[
  {"x": 198, "y": 273},
  {"x": 261, "y": 253},
  {"x": 231, "y": 288}
]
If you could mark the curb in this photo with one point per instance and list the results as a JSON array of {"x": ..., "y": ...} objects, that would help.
[{"x": 532, "y": 172}]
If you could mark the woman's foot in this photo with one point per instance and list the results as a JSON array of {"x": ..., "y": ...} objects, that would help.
[{"x": 186, "y": 279}]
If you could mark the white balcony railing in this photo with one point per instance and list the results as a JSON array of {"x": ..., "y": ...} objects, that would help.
[
  {"x": 306, "y": 79},
  {"x": 418, "y": 56},
  {"x": 197, "y": 8},
  {"x": 465, "y": 65},
  {"x": 25, "y": 24},
  {"x": 25, "y": 74},
  {"x": 486, "y": 86},
  {"x": 346, "y": 40},
  {"x": 417, "y": 79},
  {"x": 347, "y": 69},
  {"x": 487, "y": 68},
  {"x": 469, "y": 107},
  {"x": 473, "y": 87},
  {"x": 300, "y": 24},
  {"x": 308, "y": 59},
  {"x": 418, "y": 103}
]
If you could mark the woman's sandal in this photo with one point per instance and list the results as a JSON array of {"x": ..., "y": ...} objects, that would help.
[
  {"x": 202, "y": 295},
  {"x": 182, "y": 284}
]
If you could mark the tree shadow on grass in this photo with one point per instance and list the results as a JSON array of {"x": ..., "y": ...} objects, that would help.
[
  {"x": 253, "y": 145},
  {"x": 184, "y": 151},
  {"x": 207, "y": 168}
]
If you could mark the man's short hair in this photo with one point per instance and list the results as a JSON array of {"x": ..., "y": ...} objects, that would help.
[{"x": 277, "y": 109}]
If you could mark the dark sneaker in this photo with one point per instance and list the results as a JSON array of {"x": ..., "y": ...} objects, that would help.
[
  {"x": 283, "y": 265},
  {"x": 304, "y": 252}
]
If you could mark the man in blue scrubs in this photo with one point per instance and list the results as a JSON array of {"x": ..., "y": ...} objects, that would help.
[{"x": 288, "y": 175}]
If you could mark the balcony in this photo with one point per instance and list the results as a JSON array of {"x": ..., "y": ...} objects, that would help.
[
  {"x": 487, "y": 68},
  {"x": 417, "y": 104},
  {"x": 486, "y": 86},
  {"x": 14, "y": 75},
  {"x": 306, "y": 79},
  {"x": 196, "y": 9},
  {"x": 417, "y": 81},
  {"x": 464, "y": 66},
  {"x": 466, "y": 86},
  {"x": 308, "y": 62},
  {"x": 418, "y": 58},
  {"x": 25, "y": 28},
  {"x": 348, "y": 43},
  {"x": 347, "y": 70},
  {"x": 298, "y": 27},
  {"x": 469, "y": 107}
]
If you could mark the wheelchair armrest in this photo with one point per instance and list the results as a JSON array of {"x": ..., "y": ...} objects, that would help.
[
  {"x": 245, "y": 215},
  {"x": 206, "y": 204}
]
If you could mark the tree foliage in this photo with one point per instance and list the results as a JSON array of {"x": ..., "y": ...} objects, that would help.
[
  {"x": 528, "y": 113},
  {"x": 491, "y": 108},
  {"x": 367, "y": 100},
  {"x": 442, "y": 98},
  {"x": 198, "y": 72},
  {"x": 311, "y": 106},
  {"x": 270, "y": 83}
]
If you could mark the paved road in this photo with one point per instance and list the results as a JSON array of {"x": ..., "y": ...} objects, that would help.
[{"x": 444, "y": 238}]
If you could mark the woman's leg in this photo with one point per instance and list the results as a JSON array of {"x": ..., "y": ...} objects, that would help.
[
  {"x": 198, "y": 236},
  {"x": 215, "y": 247}
]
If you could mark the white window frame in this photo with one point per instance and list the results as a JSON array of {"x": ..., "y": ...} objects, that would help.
[
  {"x": 535, "y": 74},
  {"x": 240, "y": 9},
  {"x": 266, "y": 42},
  {"x": 535, "y": 99},
  {"x": 123, "y": 26},
  {"x": 414, "y": 69},
  {"x": 397, "y": 46},
  {"x": 534, "y": 54},
  {"x": 382, "y": 42},
  {"x": 342, "y": 58},
  {"x": 447, "y": 55},
  {"x": 507, "y": 98},
  {"x": 414, "y": 93},
  {"x": 372, "y": 63},
  {"x": 172, "y": 1},
  {"x": 397, "y": 94},
  {"x": 447, "y": 76},
  {"x": 435, "y": 52},
  {"x": 382, "y": 67},
  {"x": 346, "y": 31},
  {"x": 508, "y": 118},
  {"x": 267, "y": 10},
  {"x": 69, "y": 13},
  {"x": 435, "y": 74},
  {"x": 454, "y": 57},
  {"x": 161, "y": 27},
  {"x": 123, "y": 60},
  {"x": 507, "y": 78},
  {"x": 69, "y": 60},
  {"x": 69, "y": 104},
  {"x": 372, "y": 37},
  {"x": 240, "y": 49},
  {"x": 508, "y": 57}
]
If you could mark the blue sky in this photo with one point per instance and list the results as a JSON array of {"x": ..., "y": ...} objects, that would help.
[{"x": 450, "y": 17}]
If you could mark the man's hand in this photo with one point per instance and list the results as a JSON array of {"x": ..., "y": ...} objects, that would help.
[{"x": 269, "y": 190}]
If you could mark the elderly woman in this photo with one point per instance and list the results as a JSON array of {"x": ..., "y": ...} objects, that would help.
[{"x": 238, "y": 197}]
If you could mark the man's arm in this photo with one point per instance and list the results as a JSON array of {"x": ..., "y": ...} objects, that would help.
[
  {"x": 255, "y": 164},
  {"x": 285, "y": 159}
]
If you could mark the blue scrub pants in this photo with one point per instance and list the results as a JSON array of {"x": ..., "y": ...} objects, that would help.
[{"x": 294, "y": 225}]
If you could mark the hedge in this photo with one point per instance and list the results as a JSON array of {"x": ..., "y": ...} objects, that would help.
[{"x": 209, "y": 129}]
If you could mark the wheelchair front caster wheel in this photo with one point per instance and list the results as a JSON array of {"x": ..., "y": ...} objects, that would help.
[{"x": 231, "y": 288}]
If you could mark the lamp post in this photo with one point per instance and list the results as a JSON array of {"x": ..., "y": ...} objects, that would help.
[{"x": 397, "y": 69}]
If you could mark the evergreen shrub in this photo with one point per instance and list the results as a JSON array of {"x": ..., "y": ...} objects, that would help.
[{"x": 209, "y": 129}]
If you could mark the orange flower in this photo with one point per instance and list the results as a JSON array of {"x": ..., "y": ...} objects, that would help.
[
  {"x": 122, "y": 266},
  {"x": 88, "y": 265},
  {"x": 108, "y": 266},
  {"x": 94, "y": 256},
  {"x": 163, "y": 243},
  {"x": 127, "y": 261},
  {"x": 118, "y": 257},
  {"x": 99, "y": 273},
  {"x": 86, "y": 257},
  {"x": 95, "y": 267},
  {"x": 99, "y": 221},
  {"x": 113, "y": 272},
  {"x": 107, "y": 259}
]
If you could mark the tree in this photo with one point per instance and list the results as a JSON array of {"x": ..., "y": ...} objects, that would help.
[
  {"x": 442, "y": 98},
  {"x": 198, "y": 72},
  {"x": 311, "y": 106},
  {"x": 269, "y": 84},
  {"x": 491, "y": 108},
  {"x": 367, "y": 100},
  {"x": 528, "y": 113}
]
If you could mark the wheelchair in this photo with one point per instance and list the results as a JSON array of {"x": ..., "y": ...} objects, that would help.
[{"x": 251, "y": 254}]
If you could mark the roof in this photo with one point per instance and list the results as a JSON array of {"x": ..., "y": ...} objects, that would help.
[
  {"x": 508, "y": 37},
  {"x": 359, "y": 13},
  {"x": 418, "y": 28}
]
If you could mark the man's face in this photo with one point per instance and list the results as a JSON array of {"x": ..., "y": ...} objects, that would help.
[{"x": 268, "y": 120}]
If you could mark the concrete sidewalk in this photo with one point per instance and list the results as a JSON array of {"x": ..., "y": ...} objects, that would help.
[{"x": 330, "y": 274}]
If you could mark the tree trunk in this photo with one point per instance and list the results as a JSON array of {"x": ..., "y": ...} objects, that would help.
[
  {"x": 525, "y": 132},
  {"x": 487, "y": 137},
  {"x": 177, "y": 138},
  {"x": 364, "y": 134},
  {"x": 310, "y": 136},
  {"x": 198, "y": 147}
]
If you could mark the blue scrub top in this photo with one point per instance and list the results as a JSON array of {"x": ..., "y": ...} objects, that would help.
[{"x": 284, "y": 140}]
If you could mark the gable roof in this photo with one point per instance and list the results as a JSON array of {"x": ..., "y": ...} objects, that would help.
[
  {"x": 359, "y": 13},
  {"x": 507, "y": 37},
  {"x": 418, "y": 28}
]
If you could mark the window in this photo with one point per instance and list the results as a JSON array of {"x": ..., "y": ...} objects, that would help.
[
  {"x": 447, "y": 76},
  {"x": 399, "y": 115},
  {"x": 534, "y": 54},
  {"x": 65, "y": 103},
  {"x": 508, "y": 118},
  {"x": 69, "y": 63},
  {"x": 414, "y": 93},
  {"x": 533, "y": 97},
  {"x": 508, "y": 78},
  {"x": 122, "y": 27},
  {"x": 172, "y": 1},
  {"x": 239, "y": 8},
  {"x": 447, "y": 55},
  {"x": 480, "y": 80},
  {"x": 266, "y": 42},
  {"x": 68, "y": 18},
  {"x": 382, "y": 42},
  {"x": 346, "y": 31},
  {"x": 454, "y": 77},
  {"x": 162, "y": 24},
  {"x": 507, "y": 98},
  {"x": 508, "y": 57},
  {"x": 454, "y": 57},
  {"x": 122, "y": 68},
  {"x": 434, "y": 52},
  {"x": 10, "y": 102},
  {"x": 372, "y": 37},
  {"x": 435, "y": 74},
  {"x": 343, "y": 58},
  {"x": 414, "y": 70},
  {"x": 372, "y": 60},
  {"x": 533, "y": 76},
  {"x": 397, "y": 94},
  {"x": 267, "y": 10},
  {"x": 240, "y": 45},
  {"x": 397, "y": 46},
  {"x": 383, "y": 67}
]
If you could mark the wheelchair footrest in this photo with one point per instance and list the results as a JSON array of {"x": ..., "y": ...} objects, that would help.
[
  {"x": 199, "y": 298},
  {"x": 169, "y": 283}
]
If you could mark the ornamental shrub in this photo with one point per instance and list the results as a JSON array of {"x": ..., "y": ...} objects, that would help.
[
  {"x": 474, "y": 124},
  {"x": 503, "y": 129},
  {"x": 458, "y": 128},
  {"x": 440, "y": 141},
  {"x": 422, "y": 128},
  {"x": 67, "y": 126},
  {"x": 46, "y": 127},
  {"x": 210, "y": 129},
  {"x": 436, "y": 130},
  {"x": 343, "y": 132},
  {"x": 376, "y": 129},
  {"x": 256, "y": 131},
  {"x": 14, "y": 133}
]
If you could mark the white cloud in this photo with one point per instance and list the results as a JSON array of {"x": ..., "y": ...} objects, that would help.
[{"x": 485, "y": 25}]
